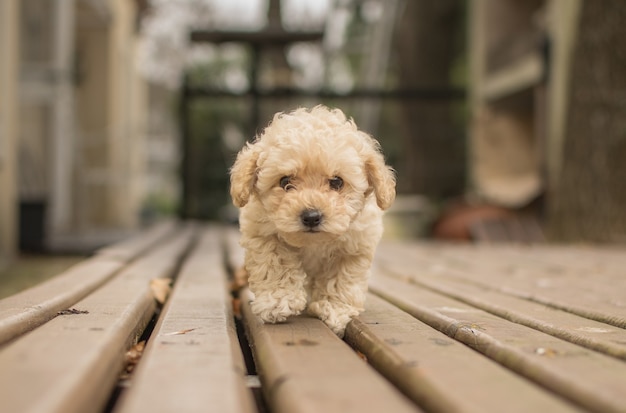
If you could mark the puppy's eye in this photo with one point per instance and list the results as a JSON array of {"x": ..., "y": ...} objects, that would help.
[
  {"x": 336, "y": 183},
  {"x": 285, "y": 183}
]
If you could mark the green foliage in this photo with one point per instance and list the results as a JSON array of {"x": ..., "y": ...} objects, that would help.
[{"x": 210, "y": 158}]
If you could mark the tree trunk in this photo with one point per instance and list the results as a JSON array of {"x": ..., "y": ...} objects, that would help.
[
  {"x": 589, "y": 201},
  {"x": 428, "y": 40}
]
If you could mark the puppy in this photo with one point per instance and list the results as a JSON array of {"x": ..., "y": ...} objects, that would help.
[{"x": 312, "y": 189}]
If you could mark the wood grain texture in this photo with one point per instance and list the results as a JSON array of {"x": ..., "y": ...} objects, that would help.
[
  {"x": 193, "y": 362},
  {"x": 304, "y": 367},
  {"x": 131, "y": 248},
  {"x": 589, "y": 333},
  {"x": 590, "y": 379},
  {"x": 71, "y": 363},
  {"x": 585, "y": 281},
  {"x": 438, "y": 372},
  {"x": 29, "y": 309}
]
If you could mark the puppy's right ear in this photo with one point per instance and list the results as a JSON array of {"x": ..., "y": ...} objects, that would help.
[{"x": 243, "y": 174}]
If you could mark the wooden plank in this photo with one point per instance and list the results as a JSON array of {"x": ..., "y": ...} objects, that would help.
[
  {"x": 29, "y": 309},
  {"x": 304, "y": 367},
  {"x": 584, "y": 264},
  {"x": 193, "y": 359},
  {"x": 566, "y": 283},
  {"x": 594, "y": 335},
  {"x": 508, "y": 229},
  {"x": 71, "y": 363},
  {"x": 592, "y": 380},
  {"x": 131, "y": 248},
  {"x": 570, "y": 264},
  {"x": 426, "y": 364},
  {"x": 591, "y": 293}
]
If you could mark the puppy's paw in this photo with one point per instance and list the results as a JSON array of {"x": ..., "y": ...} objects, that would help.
[
  {"x": 276, "y": 306},
  {"x": 336, "y": 317}
]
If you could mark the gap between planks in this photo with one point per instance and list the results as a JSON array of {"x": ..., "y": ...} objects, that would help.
[
  {"x": 71, "y": 363},
  {"x": 601, "y": 337},
  {"x": 305, "y": 367},
  {"x": 438, "y": 372},
  {"x": 33, "y": 307},
  {"x": 587, "y": 282},
  {"x": 193, "y": 360},
  {"x": 587, "y": 378}
]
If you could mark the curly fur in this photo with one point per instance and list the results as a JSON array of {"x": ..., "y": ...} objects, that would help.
[{"x": 290, "y": 264}]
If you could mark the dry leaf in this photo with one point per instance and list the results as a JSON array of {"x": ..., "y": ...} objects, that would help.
[
  {"x": 361, "y": 355},
  {"x": 240, "y": 279},
  {"x": 239, "y": 282},
  {"x": 132, "y": 357},
  {"x": 548, "y": 352},
  {"x": 134, "y": 353},
  {"x": 161, "y": 288},
  {"x": 237, "y": 307}
]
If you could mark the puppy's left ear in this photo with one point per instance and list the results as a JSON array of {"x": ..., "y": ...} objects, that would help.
[
  {"x": 381, "y": 178},
  {"x": 243, "y": 174}
]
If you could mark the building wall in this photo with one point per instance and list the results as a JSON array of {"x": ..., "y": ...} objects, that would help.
[
  {"x": 126, "y": 117},
  {"x": 84, "y": 117},
  {"x": 110, "y": 117},
  {"x": 9, "y": 16}
]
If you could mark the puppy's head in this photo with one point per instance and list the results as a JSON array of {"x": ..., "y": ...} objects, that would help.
[{"x": 312, "y": 172}]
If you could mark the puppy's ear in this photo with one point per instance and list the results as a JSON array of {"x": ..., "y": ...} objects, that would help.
[
  {"x": 243, "y": 174},
  {"x": 381, "y": 178}
]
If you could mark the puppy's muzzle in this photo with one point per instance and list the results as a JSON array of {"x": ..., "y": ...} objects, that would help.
[{"x": 311, "y": 218}]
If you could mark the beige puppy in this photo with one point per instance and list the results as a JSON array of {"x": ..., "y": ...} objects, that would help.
[{"x": 311, "y": 190}]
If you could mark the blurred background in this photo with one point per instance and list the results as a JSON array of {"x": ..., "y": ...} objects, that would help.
[{"x": 504, "y": 119}]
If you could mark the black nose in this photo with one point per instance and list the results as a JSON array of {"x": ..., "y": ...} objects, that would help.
[{"x": 311, "y": 218}]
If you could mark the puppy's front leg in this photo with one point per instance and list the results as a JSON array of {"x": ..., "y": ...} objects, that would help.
[
  {"x": 276, "y": 279},
  {"x": 339, "y": 295}
]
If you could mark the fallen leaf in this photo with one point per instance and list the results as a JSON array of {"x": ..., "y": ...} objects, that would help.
[
  {"x": 361, "y": 355},
  {"x": 238, "y": 283},
  {"x": 161, "y": 288},
  {"x": 548, "y": 352},
  {"x": 237, "y": 307},
  {"x": 132, "y": 357},
  {"x": 134, "y": 353}
]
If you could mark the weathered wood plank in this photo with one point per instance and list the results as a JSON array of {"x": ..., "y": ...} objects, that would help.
[
  {"x": 594, "y": 294},
  {"x": 593, "y": 380},
  {"x": 304, "y": 367},
  {"x": 554, "y": 264},
  {"x": 131, "y": 248},
  {"x": 437, "y": 372},
  {"x": 193, "y": 361},
  {"x": 594, "y": 335},
  {"x": 508, "y": 230},
  {"x": 29, "y": 309},
  {"x": 71, "y": 363}
]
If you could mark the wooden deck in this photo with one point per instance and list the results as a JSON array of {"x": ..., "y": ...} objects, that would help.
[{"x": 447, "y": 328}]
